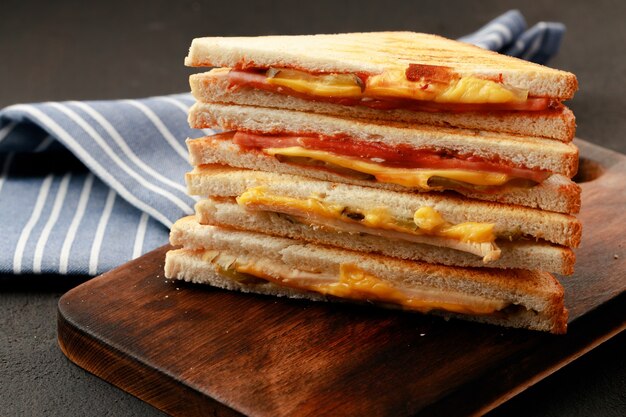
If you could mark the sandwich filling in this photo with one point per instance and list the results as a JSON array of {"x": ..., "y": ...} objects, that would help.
[
  {"x": 424, "y": 169},
  {"x": 350, "y": 282},
  {"x": 427, "y": 225},
  {"x": 418, "y": 87}
]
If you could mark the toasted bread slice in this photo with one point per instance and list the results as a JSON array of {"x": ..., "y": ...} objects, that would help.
[
  {"x": 376, "y": 52},
  {"x": 285, "y": 267},
  {"x": 530, "y": 152},
  {"x": 558, "y": 228},
  {"x": 558, "y": 193},
  {"x": 520, "y": 254},
  {"x": 559, "y": 124}
]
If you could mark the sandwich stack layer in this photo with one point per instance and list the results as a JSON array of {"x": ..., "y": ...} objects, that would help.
[
  {"x": 387, "y": 70},
  {"x": 429, "y": 227},
  {"x": 254, "y": 262},
  {"x": 397, "y": 168},
  {"x": 519, "y": 170}
]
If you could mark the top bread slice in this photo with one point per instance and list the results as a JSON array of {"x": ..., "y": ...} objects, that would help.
[{"x": 376, "y": 52}]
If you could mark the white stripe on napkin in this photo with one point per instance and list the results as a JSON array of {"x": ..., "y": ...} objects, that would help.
[
  {"x": 167, "y": 135},
  {"x": 54, "y": 216},
  {"x": 28, "y": 228},
  {"x": 98, "y": 238},
  {"x": 78, "y": 216}
]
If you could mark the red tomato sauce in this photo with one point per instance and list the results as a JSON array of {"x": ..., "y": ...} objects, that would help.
[{"x": 396, "y": 156}]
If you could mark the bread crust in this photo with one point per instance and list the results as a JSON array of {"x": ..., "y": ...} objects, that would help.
[
  {"x": 375, "y": 52},
  {"x": 213, "y": 87}
]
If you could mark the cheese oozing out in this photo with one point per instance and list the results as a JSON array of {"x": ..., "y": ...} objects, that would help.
[
  {"x": 394, "y": 84},
  {"x": 407, "y": 177},
  {"x": 427, "y": 225},
  {"x": 353, "y": 283}
]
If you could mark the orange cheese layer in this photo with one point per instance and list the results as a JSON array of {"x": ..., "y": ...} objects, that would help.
[
  {"x": 354, "y": 283},
  {"x": 407, "y": 177},
  {"x": 426, "y": 220},
  {"x": 427, "y": 88},
  {"x": 395, "y": 84}
]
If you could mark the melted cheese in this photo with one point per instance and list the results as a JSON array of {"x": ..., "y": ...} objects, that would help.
[
  {"x": 332, "y": 85},
  {"x": 467, "y": 90},
  {"x": 394, "y": 84},
  {"x": 356, "y": 284},
  {"x": 408, "y": 177},
  {"x": 426, "y": 220},
  {"x": 476, "y": 90}
]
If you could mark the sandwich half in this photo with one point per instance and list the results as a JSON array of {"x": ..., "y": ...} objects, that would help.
[
  {"x": 393, "y": 76},
  {"x": 257, "y": 263},
  {"x": 435, "y": 228},
  {"x": 490, "y": 166}
]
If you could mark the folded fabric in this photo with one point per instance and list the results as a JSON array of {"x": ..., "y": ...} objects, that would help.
[
  {"x": 508, "y": 34},
  {"x": 86, "y": 186}
]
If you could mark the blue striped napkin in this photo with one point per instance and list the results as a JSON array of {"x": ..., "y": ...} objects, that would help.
[{"x": 86, "y": 186}]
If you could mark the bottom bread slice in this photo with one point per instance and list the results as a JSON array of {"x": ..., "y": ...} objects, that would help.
[{"x": 256, "y": 263}]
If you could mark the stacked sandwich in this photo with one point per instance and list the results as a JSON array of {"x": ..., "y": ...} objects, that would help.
[{"x": 400, "y": 169}]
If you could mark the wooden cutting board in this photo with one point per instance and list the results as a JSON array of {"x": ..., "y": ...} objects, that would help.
[{"x": 194, "y": 350}]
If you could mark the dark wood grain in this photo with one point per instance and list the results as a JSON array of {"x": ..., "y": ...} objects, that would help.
[{"x": 193, "y": 350}]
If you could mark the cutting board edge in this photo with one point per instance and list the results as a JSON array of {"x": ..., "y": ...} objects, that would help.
[{"x": 189, "y": 402}]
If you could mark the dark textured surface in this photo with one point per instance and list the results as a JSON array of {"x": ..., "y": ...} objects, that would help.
[{"x": 74, "y": 50}]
